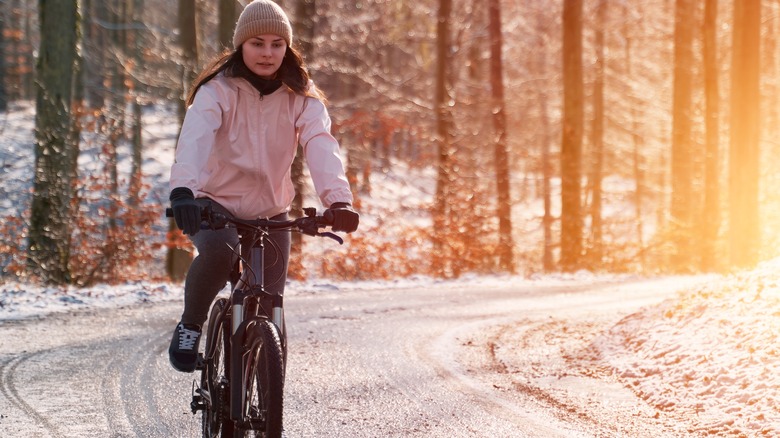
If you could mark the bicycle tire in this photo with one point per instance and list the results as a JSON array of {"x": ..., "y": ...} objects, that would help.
[
  {"x": 264, "y": 377},
  {"x": 214, "y": 377}
]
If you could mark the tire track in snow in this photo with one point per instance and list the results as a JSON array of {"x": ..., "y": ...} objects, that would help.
[
  {"x": 8, "y": 388},
  {"x": 129, "y": 399},
  {"x": 440, "y": 352}
]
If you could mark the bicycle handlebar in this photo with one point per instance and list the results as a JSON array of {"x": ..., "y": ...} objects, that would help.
[{"x": 309, "y": 224}]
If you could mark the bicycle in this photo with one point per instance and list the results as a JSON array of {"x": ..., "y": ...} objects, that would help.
[{"x": 243, "y": 367}]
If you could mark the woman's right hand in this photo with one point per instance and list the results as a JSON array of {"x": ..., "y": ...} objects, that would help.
[{"x": 186, "y": 211}]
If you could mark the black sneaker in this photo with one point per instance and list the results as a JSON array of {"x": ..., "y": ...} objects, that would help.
[{"x": 183, "y": 351}]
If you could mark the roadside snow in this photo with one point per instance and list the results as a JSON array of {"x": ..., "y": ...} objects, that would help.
[
  {"x": 711, "y": 355},
  {"x": 22, "y": 301}
]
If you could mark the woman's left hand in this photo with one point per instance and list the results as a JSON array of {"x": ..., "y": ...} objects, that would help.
[{"x": 342, "y": 217}]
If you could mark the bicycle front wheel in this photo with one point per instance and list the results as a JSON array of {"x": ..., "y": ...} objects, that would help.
[
  {"x": 264, "y": 392},
  {"x": 214, "y": 378}
]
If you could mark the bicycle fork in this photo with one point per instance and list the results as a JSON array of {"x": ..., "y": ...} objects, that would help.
[
  {"x": 245, "y": 302},
  {"x": 257, "y": 273}
]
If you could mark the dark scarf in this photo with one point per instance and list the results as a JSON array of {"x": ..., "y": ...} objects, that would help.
[{"x": 264, "y": 86}]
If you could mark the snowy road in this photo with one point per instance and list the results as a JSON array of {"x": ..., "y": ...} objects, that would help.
[{"x": 508, "y": 361}]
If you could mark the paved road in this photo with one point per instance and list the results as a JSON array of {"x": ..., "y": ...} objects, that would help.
[{"x": 427, "y": 362}]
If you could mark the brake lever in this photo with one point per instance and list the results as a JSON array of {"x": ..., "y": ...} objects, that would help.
[
  {"x": 333, "y": 236},
  {"x": 311, "y": 227}
]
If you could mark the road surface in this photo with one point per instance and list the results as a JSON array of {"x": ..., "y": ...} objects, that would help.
[{"x": 440, "y": 361}]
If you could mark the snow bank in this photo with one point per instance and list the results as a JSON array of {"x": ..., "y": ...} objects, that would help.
[
  {"x": 23, "y": 300},
  {"x": 710, "y": 355}
]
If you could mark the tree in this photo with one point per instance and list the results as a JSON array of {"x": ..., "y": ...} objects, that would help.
[
  {"x": 56, "y": 148},
  {"x": 3, "y": 93},
  {"x": 682, "y": 206},
  {"x": 188, "y": 43},
  {"x": 17, "y": 49},
  {"x": 504, "y": 211},
  {"x": 304, "y": 31},
  {"x": 227, "y": 19},
  {"x": 541, "y": 97},
  {"x": 637, "y": 141},
  {"x": 178, "y": 260},
  {"x": 136, "y": 36},
  {"x": 710, "y": 218},
  {"x": 745, "y": 133},
  {"x": 95, "y": 51},
  {"x": 598, "y": 137},
  {"x": 571, "y": 145},
  {"x": 443, "y": 123}
]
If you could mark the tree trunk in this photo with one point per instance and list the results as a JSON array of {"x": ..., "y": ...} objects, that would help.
[
  {"x": 744, "y": 231},
  {"x": 710, "y": 219},
  {"x": 771, "y": 86},
  {"x": 136, "y": 46},
  {"x": 95, "y": 47},
  {"x": 227, "y": 20},
  {"x": 56, "y": 151},
  {"x": 304, "y": 29},
  {"x": 443, "y": 123},
  {"x": 3, "y": 72},
  {"x": 116, "y": 113},
  {"x": 188, "y": 43},
  {"x": 21, "y": 50},
  {"x": 598, "y": 138},
  {"x": 540, "y": 71},
  {"x": 682, "y": 154},
  {"x": 503, "y": 190},
  {"x": 637, "y": 144},
  {"x": 548, "y": 260},
  {"x": 178, "y": 260},
  {"x": 571, "y": 147}
]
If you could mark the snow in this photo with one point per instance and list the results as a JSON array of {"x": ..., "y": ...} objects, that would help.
[
  {"x": 20, "y": 301},
  {"x": 710, "y": 353}
]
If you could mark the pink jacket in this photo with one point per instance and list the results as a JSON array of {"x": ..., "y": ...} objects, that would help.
[{"x": 237, "y": 147}]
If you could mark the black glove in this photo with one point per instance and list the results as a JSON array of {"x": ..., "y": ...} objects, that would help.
[
  {"x": 342, "y": 217},
  {"x": 186, "y": 211}
]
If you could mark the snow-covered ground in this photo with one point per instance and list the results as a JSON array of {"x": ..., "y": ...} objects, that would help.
[
  {"x": 710, "y": 352},
  {"x": 22, "y": 301}
]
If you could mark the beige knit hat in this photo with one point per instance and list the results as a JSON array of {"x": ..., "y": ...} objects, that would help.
[{"x": 261, "y": 17}]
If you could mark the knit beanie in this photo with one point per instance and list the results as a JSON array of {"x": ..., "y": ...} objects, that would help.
[{"x": 262, "y": 17}]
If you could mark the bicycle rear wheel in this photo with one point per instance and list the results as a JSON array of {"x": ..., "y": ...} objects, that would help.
[
  {"x": 214, "y": 377},
  {"x": 264, "y": 393}
]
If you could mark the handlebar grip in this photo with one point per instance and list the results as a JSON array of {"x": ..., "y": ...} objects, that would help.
[
  {"x": 168, "y": 212},
  {"x": 327, "y": 218}
]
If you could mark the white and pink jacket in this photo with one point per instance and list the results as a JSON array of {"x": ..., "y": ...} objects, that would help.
[{"x": 237, "y": 148}]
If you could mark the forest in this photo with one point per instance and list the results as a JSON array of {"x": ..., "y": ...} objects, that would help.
[{"x": 609, "y": 136}]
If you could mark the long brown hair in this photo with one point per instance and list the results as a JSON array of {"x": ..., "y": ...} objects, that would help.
[{"x": 292, "y": 73}]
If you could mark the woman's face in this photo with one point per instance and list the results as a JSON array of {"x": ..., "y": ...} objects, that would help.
[{"x": 263, "y": 54}]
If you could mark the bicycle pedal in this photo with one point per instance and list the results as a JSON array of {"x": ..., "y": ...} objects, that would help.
[
  {"x": 201, "y": 362},
  {"x": 197, "y": 404}
]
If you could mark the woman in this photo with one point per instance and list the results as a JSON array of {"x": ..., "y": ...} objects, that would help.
[{"x": 246, "y": 115}]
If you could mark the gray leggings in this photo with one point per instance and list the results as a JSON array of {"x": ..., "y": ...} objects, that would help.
[{"x": 211, "y": 269}]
